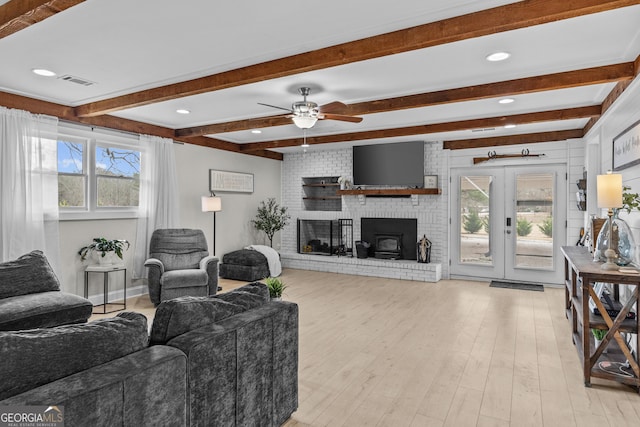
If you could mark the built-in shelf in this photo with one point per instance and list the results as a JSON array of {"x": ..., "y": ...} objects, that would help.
[
  {"x": 323, "y": 198},
  {"x": 319, "y": 193},
  {"x": 389, "y": 191},
  {"x": 330, "y": 184}
]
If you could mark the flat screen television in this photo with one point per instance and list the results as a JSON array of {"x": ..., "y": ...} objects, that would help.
[{"x": 397, "y": 164}]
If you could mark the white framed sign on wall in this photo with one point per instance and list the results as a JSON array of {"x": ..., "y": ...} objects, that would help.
[{"x": 236, "y": 182}]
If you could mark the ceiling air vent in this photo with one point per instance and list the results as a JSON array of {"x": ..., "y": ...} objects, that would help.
[
  {"x": 483, "y": 130},
  {"x": 76, "y": 80}
]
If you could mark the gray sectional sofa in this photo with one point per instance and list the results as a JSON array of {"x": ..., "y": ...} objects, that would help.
[{"x": 229, "y": 359}]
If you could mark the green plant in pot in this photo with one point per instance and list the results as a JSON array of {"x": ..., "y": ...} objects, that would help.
[
  {"x": 276, "y": 287},
  {"x": 103, "y": 247},
  {"x": 599, "y": 335},
  {"x": 271, "y": 218}
]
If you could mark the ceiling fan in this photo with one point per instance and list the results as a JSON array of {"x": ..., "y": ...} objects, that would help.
[{"x": 305, "y": 113}]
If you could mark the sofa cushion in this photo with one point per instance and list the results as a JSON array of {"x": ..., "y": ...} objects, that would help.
[
  {"x": 184, "y": 278},
  {"x": 179, "y": 315},
  {"x": 43, "y": 310},
  {"x": 29, "y": 274},
  {"x": 256, "y": 288},
  {"x": 244, "y": 299},
  {"x": 38, "y": 356}
]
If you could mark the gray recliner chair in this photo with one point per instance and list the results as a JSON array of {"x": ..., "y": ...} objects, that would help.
[{"x": 179, "y": 265}]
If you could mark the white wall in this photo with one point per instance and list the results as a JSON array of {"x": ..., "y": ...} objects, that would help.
[
  {"x": 234, "y": 229},
  {"x": 624, "y": 114}
]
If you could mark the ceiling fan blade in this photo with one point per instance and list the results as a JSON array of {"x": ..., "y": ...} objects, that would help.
[
  {"x": 341, "y": 117},
  {"x": 333, "y": 107},
  {"x": 275, "y": 106}
]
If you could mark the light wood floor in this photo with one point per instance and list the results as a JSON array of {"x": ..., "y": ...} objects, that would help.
[{"x": 387, "y": 352}]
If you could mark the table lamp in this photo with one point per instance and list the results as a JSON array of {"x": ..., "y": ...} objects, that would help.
[
  {"x": 213, "y": 204},
  {"x": 609, "y": 189}
]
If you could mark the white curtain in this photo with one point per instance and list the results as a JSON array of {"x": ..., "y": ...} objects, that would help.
[
  {"x": 28, "y": 185},
  {"x": 158, "y": 196}
]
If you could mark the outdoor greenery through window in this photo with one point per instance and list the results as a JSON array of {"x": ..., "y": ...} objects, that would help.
[
  {"x": 117, "y": 177},
  {"x": 96, "y": 176}
]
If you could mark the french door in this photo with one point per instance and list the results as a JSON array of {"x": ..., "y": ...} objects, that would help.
[{"x": 508, "y": 222}]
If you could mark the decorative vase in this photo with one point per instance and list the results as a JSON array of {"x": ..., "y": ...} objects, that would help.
[
  {"x": 622, "y": 242},
  {"x": 108, "y": 259},
  {"x": 596, "y": 343},
  {"x": 343, "y": 185},
  {"x": 276, "y": 298}
]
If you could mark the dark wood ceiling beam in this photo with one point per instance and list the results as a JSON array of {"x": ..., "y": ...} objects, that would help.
[
  {"x": 528, "y": 138},
  {"x": 17, "y": 15},
  {"x": 64, "y": 112},
  {"x": 485, "y": 22},
  {"x": 239, "y": 125},
  {"x": 483, "y": 123},
  {"x": 613, "y": 96},
  {"x": 556, "y": 81}
]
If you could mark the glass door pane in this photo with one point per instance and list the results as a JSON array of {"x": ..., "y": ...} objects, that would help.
[
  {"x": 474, "y": 220},
  {"x": 534, "y": 220}
]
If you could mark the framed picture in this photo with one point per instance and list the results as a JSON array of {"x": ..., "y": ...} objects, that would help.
[
  {"x": 626, "y": 148},
  {"x": 236, "y": 182},
  {"x": 431, "y": 181}
]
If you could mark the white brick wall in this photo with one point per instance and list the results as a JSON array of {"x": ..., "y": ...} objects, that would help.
[{"x": 431, "y": 211}]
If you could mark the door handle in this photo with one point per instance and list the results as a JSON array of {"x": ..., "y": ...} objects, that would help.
[{"x": 508, "y": 222}]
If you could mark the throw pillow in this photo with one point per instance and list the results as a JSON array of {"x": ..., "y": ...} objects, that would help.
[{"x": 29, "y": 274}]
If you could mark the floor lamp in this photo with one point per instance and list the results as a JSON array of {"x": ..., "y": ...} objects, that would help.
[
  {"x": 609, "y": 189},
  {"x": 213, "y": 204}
]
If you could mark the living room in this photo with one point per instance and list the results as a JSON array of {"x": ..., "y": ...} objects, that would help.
[{"x": 368, "y": 327}]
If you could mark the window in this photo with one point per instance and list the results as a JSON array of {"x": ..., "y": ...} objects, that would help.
[
  {"x": 71, "y": 174},
  {"x": 117, "y": 172},
  {"x": 98, "y": 178}
]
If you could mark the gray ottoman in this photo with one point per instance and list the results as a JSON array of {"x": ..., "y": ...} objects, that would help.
[{"x": 245, "y": 264}]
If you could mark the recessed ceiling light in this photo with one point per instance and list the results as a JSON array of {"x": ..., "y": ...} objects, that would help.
[
  {"x": 256, "y": 131},
  {"x": 43, "y": 72},
  {"x": 509, "y": 126},
  {"x": 498, "y": 56},
  {"x": 506, "y": 101},
  {"x": 182, "y": 111}
]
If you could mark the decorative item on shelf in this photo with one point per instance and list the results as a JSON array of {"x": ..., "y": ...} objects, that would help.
[
  {"x": 276, "y": 287},
  {"x": 598, "y": 336},
  {"x": 306, "y": 248},
  {"x": 424, "y": 250},
  {"x": 622, "y": 239},
  {"x": 104, "y": 250},
  {"x": 609, "y": 190},
  {"x": 344, "y": 182}
]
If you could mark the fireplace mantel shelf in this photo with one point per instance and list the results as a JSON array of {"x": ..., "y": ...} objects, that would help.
[{"x": 389, "y": 191}]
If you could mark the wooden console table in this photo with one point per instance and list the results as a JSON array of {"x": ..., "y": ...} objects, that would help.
[{"x": 581, "y": 273}]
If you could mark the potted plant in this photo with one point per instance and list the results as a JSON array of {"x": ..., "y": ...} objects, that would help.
[
  {"x": 276, "y": 287},
  {"x": 271, "y": 218},
  {"x": 104, "y": 249},
  {"x": 598, "y": 335}
]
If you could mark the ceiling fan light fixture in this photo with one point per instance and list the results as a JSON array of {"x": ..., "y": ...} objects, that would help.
[{"x": 304, "y": 122}]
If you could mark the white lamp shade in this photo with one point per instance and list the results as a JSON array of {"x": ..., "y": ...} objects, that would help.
[
  {"x": 305, "y": 122},
  {"x": 609, "y": 188},
  {"x": 211, "y": 204}
]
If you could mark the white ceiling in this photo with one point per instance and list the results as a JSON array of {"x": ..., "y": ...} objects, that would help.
[{"x": 126, "y": 46}]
